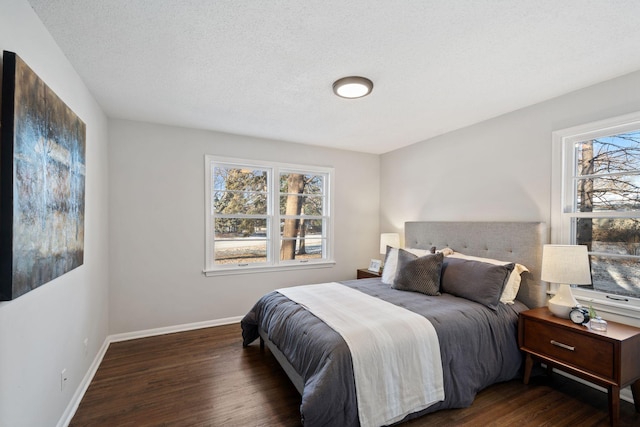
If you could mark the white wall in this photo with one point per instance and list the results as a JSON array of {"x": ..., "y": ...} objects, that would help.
[
  {"x": 158, "y": 224},
  {"x": 42, "y": 332},
  {"x": 499, "y": 169}
]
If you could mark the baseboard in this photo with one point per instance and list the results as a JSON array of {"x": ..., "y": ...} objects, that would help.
[
  {"x": 71, "y": 409},
  {"x": 172, "y": 329}
]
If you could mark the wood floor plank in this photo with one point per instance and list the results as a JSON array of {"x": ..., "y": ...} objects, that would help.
[{"x": 206, "y": 378}]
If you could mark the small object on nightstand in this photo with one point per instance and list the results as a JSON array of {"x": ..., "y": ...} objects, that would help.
[
  {"x": 364, "y": 273},
  {"x": 375, "y": 266},
  {"x": 579, "y": 315},
  {"x": 598, "y": 324}
]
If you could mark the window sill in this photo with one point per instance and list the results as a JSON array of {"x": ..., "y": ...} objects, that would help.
[{"x": 267, "y": 269}]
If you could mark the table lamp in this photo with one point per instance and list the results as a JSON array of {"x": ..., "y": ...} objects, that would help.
[
  {"x": 565, "y": 265},
  {"x": 389, "y": 239}
]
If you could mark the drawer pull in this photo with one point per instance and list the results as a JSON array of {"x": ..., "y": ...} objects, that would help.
[{"x": 559, "y": 344}]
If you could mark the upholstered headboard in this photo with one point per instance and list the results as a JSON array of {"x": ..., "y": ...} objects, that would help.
[{"x": 519, "y": 242}]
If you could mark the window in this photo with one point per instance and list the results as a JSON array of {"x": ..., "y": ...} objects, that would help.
[
  {"x": 596, "y": 201},
  {"x": 266, "y": 215}
]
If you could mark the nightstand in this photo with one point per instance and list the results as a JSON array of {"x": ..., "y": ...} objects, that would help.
[
  {"x": 363, "y": 273},
  {"x": 609, "y": 359}
]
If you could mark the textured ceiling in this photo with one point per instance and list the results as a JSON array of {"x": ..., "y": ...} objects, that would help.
[{"x": 266, "y": 68}]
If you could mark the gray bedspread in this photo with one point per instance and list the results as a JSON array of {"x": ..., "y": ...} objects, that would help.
[{"x": 478, "y": 348}]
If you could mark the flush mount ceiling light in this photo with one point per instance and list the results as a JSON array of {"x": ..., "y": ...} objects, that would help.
[{"x": 352, "y": 87}]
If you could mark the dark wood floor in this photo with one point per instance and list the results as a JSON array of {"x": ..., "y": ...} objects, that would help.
[{"x": 205, "y": 378}]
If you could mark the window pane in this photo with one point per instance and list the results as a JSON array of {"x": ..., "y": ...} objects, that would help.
[
  {"x": 314, "y": 227},
  {"x": 610, "y": 193},
  {"x": 312, "y": 184},
  {"x": 239, "y": 241},
  {"x": 241, "y": 251},
  {"x": 239, "y": 179},
  {"x": 309, "y": 205},
  {"x": 612, "y": 154},
  {"x": 619, "y": 236},
  {"x": 300, "y": 249},
  {"x": 301, "y": 239},
  {"x": 615, "y": 275},
  {"x": 301, "y": 194},
  {"x": 231, "y": 202},
  {"x": 235, "y": 228}
]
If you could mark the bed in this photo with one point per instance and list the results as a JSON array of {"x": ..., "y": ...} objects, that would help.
[{"x": 477, "y": 339}]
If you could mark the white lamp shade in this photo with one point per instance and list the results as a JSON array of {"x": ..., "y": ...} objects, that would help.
[
  {"x": 568, "y": 264},
  {"x": 389, "y": 239}
]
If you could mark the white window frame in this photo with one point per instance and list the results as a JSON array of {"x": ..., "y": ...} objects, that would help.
[
  {"x": 562, "y": 197},
  {"x": 273, "y": 217}
]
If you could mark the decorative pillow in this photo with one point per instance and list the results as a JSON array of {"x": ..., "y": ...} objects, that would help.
[
  {"x": 474, "y": 280},
  {"x": 391, "y": 262},
  {"x": 418, "y": 274},
  {"x": 512, "y": 286}
]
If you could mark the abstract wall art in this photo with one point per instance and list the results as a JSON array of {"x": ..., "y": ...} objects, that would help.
[{"x": 42, "y": 187}]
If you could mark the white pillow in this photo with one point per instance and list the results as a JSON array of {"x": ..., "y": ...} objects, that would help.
[
  {"x": 512, "y": 286},
  {"x": 391, "y": 262},
  {"x": 445, "y": 251}
]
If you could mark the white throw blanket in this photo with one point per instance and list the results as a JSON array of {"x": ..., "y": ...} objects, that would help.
[{"x": 395, "y": 352}]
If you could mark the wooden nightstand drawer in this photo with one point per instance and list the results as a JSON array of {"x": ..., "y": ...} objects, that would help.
[{"x": 579, "y": 350}]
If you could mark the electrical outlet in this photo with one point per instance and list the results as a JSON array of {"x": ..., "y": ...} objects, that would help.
[
  {"x": 63, "y": 379},
  {"x": 86, "y": 346}
]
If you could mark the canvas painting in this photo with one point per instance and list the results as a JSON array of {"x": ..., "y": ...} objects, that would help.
[{"x": 42, "y": 191}]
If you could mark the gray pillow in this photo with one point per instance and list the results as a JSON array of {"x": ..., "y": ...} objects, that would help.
[
  {"x": 418, "y": 274},
  {"x": 474, "y": 280}
]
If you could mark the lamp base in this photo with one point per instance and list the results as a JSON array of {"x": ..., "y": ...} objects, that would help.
[{"x": 562, "y": 303}]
